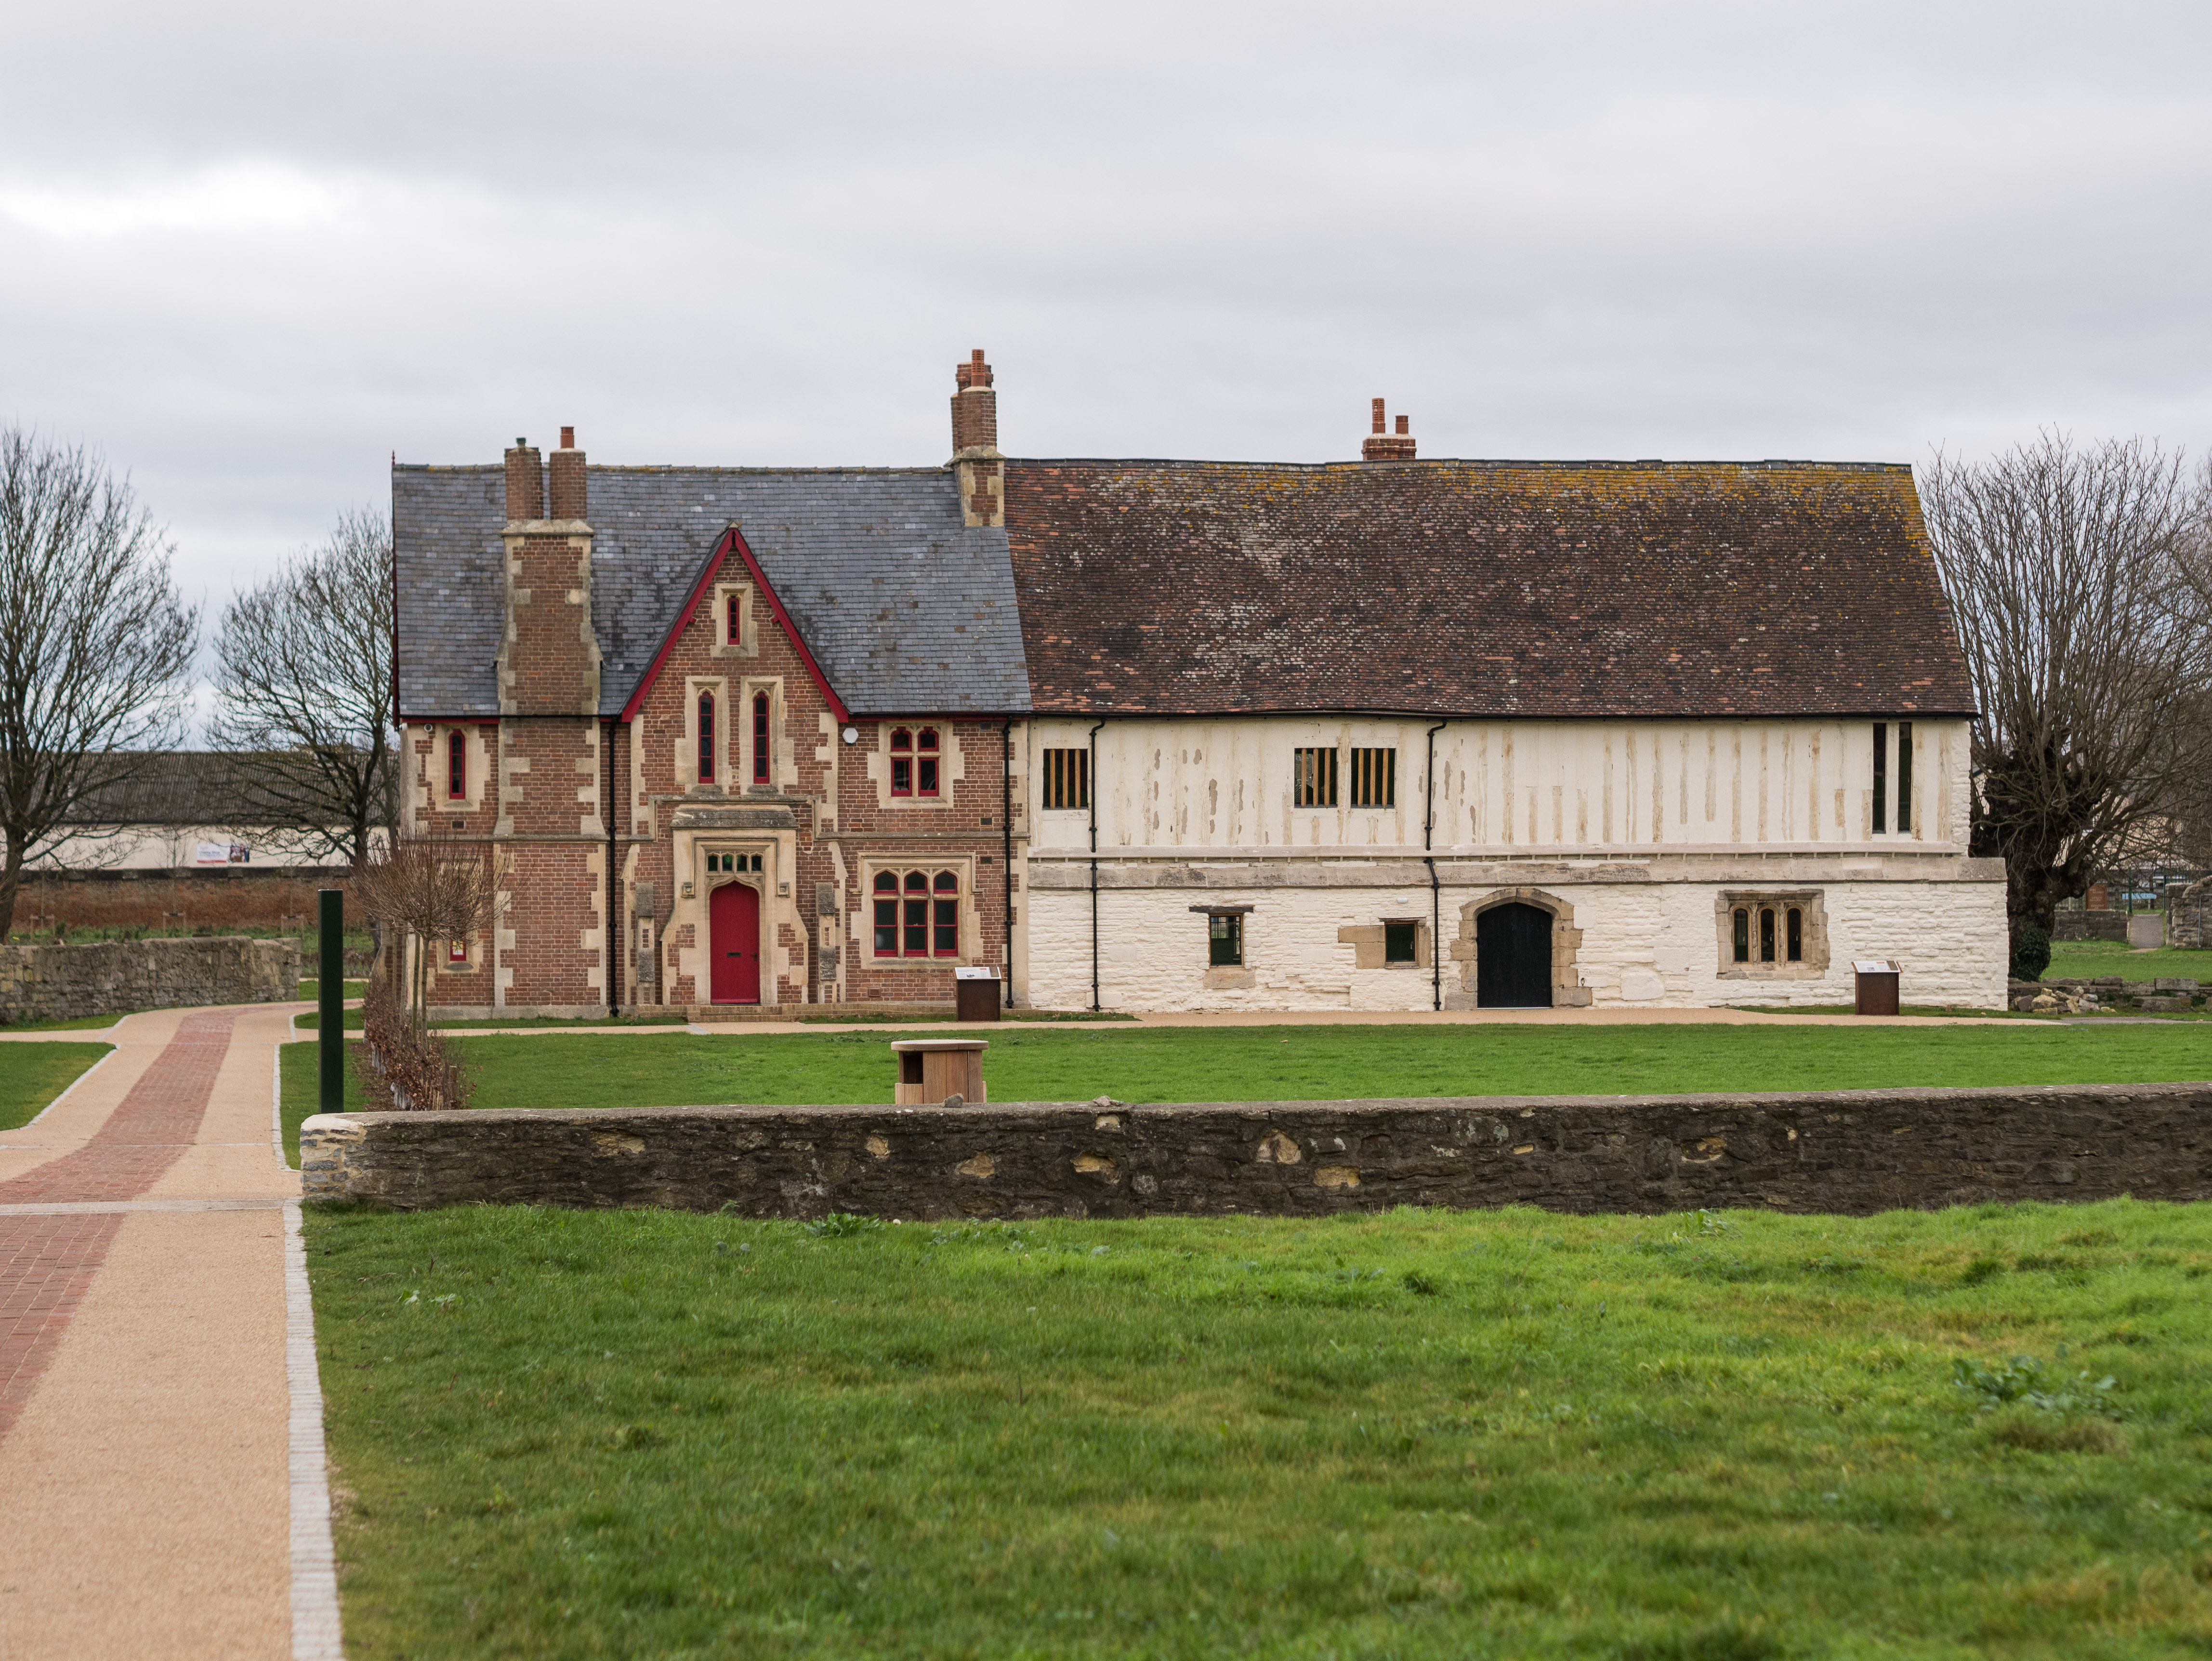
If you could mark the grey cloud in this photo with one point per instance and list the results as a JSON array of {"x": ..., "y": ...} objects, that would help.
[{"x": 251, "y": 252}]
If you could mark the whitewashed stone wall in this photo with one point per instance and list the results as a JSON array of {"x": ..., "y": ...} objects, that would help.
[{"x": 1648, "y": 943}]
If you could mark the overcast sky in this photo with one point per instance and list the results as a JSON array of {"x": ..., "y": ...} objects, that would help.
[{"x": 251, "y": 253}]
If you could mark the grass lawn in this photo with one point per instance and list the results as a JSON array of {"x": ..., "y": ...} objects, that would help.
[
  {"x": 33, "y": 1074},
  {"x": 1412, "y": 1435},
  {"x": 1304, "y": 1063},
  {"x": 76, "y": 1024},
  {"x": 2088, "y": 959},
  {"x": 311, "y": 988}
]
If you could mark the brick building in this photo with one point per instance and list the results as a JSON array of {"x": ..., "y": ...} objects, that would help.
[{"x": 1382, "y": 733}]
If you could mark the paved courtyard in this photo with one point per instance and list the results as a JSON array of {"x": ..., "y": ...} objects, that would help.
[{"x": 148, "y": 1421}]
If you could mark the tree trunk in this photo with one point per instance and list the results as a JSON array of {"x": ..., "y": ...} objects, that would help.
[{"x": 11, "y": 882}]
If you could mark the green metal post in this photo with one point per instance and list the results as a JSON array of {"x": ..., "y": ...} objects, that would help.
[{"x": 330, "y": 996}]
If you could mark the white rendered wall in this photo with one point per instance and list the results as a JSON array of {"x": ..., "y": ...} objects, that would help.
[
  {"x": 1507, "y": 788},
  {"x": 1638, "y": 937}
]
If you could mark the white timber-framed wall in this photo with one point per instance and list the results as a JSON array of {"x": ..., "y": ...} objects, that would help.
[{"x": 1638, "y": 836}]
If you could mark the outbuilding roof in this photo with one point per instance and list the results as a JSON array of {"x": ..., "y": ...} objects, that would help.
[
  {"x": 1530, "y": 590},
  {"x": 907, "y": 609}
]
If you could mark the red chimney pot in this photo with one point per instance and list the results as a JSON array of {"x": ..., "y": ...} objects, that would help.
[{"x": 568, "y": 437}]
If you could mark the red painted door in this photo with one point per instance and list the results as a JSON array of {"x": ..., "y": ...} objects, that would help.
[{"x": 733, "y": 936}]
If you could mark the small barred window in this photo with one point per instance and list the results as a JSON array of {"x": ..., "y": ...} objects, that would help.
[
  {"x": 1066, "y": 778},
  {"x": 1374, "y": 778},
  {"x": 1313, "y": 778}
]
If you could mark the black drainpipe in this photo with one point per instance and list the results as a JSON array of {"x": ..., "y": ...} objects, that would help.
[
  {"x": 1428, "y": 858},
  {"x": 614, "y": 933},
  {"x": 1006, "y": 821},
  {"x": 1091, "y": 792}
]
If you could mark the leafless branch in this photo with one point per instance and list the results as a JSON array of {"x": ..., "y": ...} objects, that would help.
[
  {"x": 2089, "y": 650},
  {"x": 423, "y": 888},
  {"x": 96, "y": 644},
  {"x": 304, "y": 667}
]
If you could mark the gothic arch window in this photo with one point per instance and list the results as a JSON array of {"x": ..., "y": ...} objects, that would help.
[
  {"x": 457, "y": 765},
  {"x": 706, "y": 738},
  {"x": 901, "y": 762},
  {"x": 925, "y": 761},
  {"x": 760, "y": 737}
]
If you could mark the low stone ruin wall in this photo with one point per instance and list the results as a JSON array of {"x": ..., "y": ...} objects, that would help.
[
  {"x": 2191, "y": 913},
  {"x": 2089, "y": 926},
  {"x": 65, "y": 982},
  {"x": 1852, "y": 1153}
]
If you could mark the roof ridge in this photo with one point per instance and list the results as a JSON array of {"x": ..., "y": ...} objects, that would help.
[
  {"x": 1776, "y": 463},
  {"x": 939, "y": 470}
]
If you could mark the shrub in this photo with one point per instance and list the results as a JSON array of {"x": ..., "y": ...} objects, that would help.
[
  {"x": 399, "y": 1058},
  {"x": 2030, "y": 952}
]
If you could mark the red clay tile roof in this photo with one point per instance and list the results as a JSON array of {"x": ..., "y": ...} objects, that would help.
[{"x": 1480, "y": 589}]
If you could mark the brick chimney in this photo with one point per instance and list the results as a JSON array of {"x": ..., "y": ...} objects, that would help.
[
  {"x": 549, "y": 656},
  {"x": 526, "y": 482},
  {"x": 975, "y": 458},
  {"x": 1382, "y": 447},
  {"x": 567, "y": 478}
]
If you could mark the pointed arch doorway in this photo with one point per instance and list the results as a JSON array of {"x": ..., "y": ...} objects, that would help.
[
  {"x": 1513, "y": 958},
  {"x": 734, "y": 938}
]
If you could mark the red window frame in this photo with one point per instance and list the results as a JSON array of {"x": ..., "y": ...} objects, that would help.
[
  {"x": 916, "y": 914},
  {"x": 457, "y": 765},
  {"x": 901, "y": 762},
  {"x": 734, "y": 628},
  {"x": 925, "y": 761},
  {"x": 456, "y": 951},
  {"x": 706, "y": 738},
  {"x": 760, "y": 737}
]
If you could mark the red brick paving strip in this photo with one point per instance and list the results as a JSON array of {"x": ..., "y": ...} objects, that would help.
[{"x": 46, "y": 1263}]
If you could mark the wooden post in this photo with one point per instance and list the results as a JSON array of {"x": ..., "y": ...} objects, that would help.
[
  {"x": 330, "y": 999},
  {"x": 932, "y": 1070}
]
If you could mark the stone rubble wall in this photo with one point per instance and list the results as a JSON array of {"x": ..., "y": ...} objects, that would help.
[
  {"x": 1851, "y": 1153},
  {"x": 2191, "y": 913},
  {"x": 2089, "y": 926},
  {"x": 107, "y": 978}
]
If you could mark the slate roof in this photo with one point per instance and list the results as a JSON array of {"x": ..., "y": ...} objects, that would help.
[
  {"x": 185, "y": 787},
  {"x": 1480, "y": 589},
  {"x": 906, "y": 609}
]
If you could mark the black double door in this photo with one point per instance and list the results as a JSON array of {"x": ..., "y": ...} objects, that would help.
[{"x": 1513, "y": 958}]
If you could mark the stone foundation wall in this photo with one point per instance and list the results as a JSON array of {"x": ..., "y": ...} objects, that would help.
[
  {"x": 1852, "y": 1153},
  {"x": 1653, "y": 942},
  {"x": 65, "y": 982}
]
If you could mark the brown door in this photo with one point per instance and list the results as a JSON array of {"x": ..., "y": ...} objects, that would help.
[{"x": 734, "y": 937}]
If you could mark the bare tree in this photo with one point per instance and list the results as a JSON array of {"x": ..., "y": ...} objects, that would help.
[
  {"x": 96, "y": 644},
  {"x": 2088, "y": 651},
  {"x": 425, "y": 890},
  {"x": 303, "y": 666}
]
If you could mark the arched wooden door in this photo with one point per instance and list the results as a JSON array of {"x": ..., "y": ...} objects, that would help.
[
  {"x": 734, "y": 938},
  {"x": 1513, "y": 958}
]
